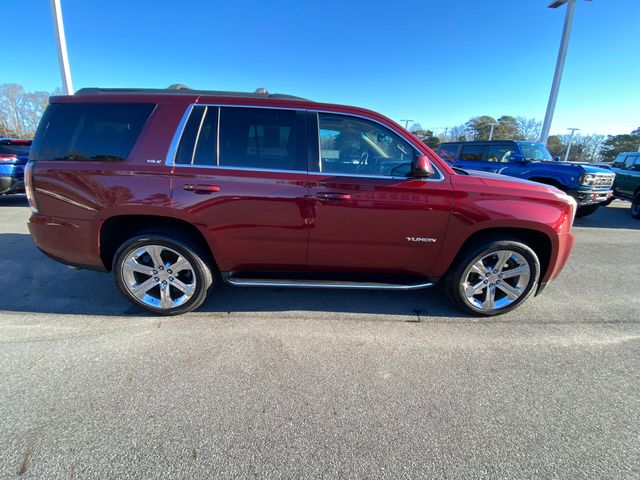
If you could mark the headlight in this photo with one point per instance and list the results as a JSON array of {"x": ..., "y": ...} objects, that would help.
[{"x": 588, "y": 179}]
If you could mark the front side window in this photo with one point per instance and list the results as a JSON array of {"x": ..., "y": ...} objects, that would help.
[
  {"x": 499, "y": 153},
  {"x": 354, "y": 146},
  {"x": 535, "y": 151},
  {"x": 89, "y": 131},
  {"x": 629, "y": 162},
  {"x": 472, "y": 153},
  {"x": 259, "y": 138}
]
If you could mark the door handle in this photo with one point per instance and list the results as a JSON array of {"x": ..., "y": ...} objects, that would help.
[
  {"x": 201, "y": 189},
  {"x": 333, "y": 196}
]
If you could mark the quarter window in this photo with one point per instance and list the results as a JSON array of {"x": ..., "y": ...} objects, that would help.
[
  {"x": 104, "y": 132},
  {"x": 355, "y": 146}
]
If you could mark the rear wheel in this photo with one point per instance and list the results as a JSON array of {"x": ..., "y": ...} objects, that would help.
[
  {"x": 586, "y": 210},
  {"x": 635, "y": 206},
  {"x": 162, "y": 275},
  {"x": 494, "y": 278}
]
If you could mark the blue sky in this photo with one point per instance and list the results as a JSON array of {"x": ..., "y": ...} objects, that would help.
[{"x": 438, "y": 63}]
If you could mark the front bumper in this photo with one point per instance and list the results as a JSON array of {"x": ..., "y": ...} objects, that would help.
[{"x": 590, "y": 197}]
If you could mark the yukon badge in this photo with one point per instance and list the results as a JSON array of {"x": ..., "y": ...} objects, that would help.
[{"x": 421, "y": 239}]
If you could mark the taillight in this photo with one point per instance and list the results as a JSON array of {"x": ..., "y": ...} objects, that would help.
[
  {"x": 8, "y": 158},
  {"x": 28, "y": 187}
]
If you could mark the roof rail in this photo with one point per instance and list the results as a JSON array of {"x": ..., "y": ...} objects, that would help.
[{"x": 179, "y": 89}]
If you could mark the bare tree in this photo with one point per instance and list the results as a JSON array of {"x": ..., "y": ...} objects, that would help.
[
  {"x": 20, "y": 111},
  {"x": 529, "y": 128}
]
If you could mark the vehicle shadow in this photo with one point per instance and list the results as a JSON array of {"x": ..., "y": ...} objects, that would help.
[
  {"x": 14, "y": 200},
  {"x": 34, "y": 283},
  {"x": 616, "y": 215}
]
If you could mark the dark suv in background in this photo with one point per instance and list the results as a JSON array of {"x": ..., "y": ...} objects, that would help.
[
  {"x": 590, "y": 185},
  {"x": 14, "y": 154},
  {"x": 176, "y": 191}
]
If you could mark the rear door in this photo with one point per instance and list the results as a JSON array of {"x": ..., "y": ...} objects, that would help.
[
  {"x": 240, "y": 175},
  {"x": 368, "y": 214}
]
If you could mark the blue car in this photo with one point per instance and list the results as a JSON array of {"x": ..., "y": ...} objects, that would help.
[
  {"x": 13, "y": 158},
  {"x": 590, "y": 185}
]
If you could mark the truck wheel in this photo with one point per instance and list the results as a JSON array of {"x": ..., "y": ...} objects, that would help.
[
  {"x": 635, "y": 206},
  {"x": 493, "y": 278},
  {"x": 162, "y": 275},
  {"x": 586, "y": 210}
]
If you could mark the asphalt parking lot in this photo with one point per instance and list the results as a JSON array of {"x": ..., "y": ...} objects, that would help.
[{"x": 275, "y": 383}]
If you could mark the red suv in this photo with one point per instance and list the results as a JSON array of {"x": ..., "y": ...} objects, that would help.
[{"x": 178, "y": 190}]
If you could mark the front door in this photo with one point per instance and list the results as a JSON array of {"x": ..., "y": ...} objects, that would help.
[
  {"x": 367, "y": 214},
  {"x": 240, "y": 175}
]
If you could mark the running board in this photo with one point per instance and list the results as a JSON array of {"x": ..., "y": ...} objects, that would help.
[{"x": 263, "y": 282}]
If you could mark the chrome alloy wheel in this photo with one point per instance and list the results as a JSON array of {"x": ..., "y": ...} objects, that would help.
[
  {"x": 158, "y": 276},
  {"x": 495, "y": 280}
]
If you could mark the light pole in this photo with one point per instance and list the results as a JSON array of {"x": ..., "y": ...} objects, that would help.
[
  {"x": 557, "y": 76},
  {"x": 63, "y": 57},
  {"x": 573, "y": 132},
  {"x": 493, "y": 125},
  {"x": 406, "y": 123}
]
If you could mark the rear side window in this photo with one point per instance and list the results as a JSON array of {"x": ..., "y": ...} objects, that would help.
[
  {"x": 472, "y": 153},
  {"x": 259, "y": 138},
  {"x": 448, "y": 152},
  {"x": 8, "y": 148},
  {"x": 198, "y": 143},
  {"x": 101, "y": 132}
]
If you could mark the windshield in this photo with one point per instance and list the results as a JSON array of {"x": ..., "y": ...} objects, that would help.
[{"x": 535, "y": 151}]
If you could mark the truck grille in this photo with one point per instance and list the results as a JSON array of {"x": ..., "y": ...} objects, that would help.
[{"x": 603, "y": 180}]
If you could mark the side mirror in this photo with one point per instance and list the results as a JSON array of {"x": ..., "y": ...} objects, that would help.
[
  {"x": 557, "y": 158},
  {"x": 516, "y": 157},
  {"x": 422, "y": 167}
]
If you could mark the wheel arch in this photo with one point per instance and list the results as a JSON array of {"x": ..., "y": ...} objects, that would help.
[
  {"x": 554, "y": 182},
  {"x": 116, "y": 230},
  {"x": 538, "y": 241}
]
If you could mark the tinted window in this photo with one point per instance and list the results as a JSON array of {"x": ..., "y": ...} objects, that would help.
[
  {"x": 350, "y": 145},
  {"x": 629, "y": 161},
  {"x": 472, "y": 153},
  {"x": 198, "y": 142},
  {"x": 535, "y": 151},
  {"x": 448, "y": 152},
  {"x": 499, "y": 153},
  {"x": 89, "y": 131},
  {"x": 636, "y": 164},
  {"x": 7, "y": 148},
  {"x": 259, "y": 138}
]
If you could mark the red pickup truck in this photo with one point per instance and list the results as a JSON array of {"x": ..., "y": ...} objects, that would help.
[{"x": 176, "y": 191}]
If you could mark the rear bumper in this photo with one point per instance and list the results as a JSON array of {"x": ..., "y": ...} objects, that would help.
[
  {"x": 69, "y": 241},
  {"x": 590, "y": 197}
]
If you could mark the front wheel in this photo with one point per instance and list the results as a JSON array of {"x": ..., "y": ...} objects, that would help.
[
  {"x": 162, "y": 275},
  {"x": 586, "y": 210},
  {"x": 493, "y": 278},
  {"x": 635, "y": 206}
]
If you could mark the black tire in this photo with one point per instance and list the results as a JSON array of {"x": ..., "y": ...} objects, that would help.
[
  {"x": 199, "y": 273},
  {"x": 586, "y": 210},
  {"x": 635, "y": 206},
  {"x": 455, "y": 279}
]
